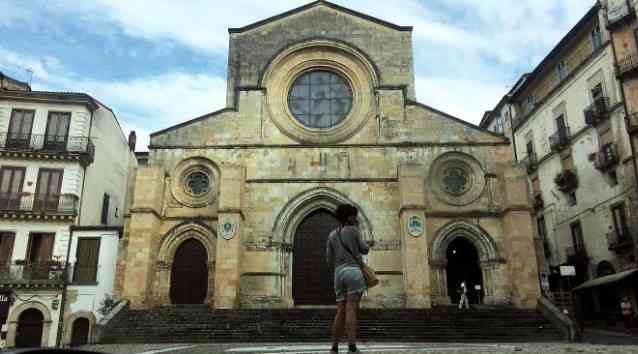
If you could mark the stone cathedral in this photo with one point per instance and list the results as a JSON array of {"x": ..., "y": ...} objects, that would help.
[{"x": 234, "y": 207}]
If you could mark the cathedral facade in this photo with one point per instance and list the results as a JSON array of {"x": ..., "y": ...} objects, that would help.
[{"x": 234, "y": 207}]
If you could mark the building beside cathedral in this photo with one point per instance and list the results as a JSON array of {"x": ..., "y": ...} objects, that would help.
[{"x": 233, "y": 208}]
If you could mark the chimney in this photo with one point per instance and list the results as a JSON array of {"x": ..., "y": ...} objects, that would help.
[{"x": 132, "y": 140}]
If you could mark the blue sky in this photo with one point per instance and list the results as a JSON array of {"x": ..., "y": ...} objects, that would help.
[{"x": 159, "y": 62}]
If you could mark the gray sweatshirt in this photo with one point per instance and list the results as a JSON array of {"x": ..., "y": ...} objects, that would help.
[{"x": 337, "y": 255}]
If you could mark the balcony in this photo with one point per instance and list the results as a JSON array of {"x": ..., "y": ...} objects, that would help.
[
  {"x": 627, "y": 67},
  {"x": 531, "y": 163},
  {"x": 567, "y": 181},
  {"x": 26, "y": 274},
  {"x": 632, "y": 123},
  {"x": 607, "y": 158},
  {"x": 63, "y": 207},
  {"x": 538, "y": 202},
  {"x": 560, "y": 140},
  {"x": 618, "y": 242},
  {"x": 597, "y": 112},
  {"x": 620, "y": 15},
  {"x": 50, "y": 147}
]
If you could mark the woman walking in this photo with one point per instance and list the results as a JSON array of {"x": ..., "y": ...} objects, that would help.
[{"x": 344, "y": 250}]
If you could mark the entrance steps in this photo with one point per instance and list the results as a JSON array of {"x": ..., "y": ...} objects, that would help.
[{"x": 198, "y": 324}]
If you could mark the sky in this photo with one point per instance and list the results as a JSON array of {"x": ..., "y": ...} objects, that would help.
[{"x": 158, "y": 63}]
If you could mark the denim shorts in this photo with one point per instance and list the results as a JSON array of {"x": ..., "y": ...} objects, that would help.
[{"x": 348, "y": 281}]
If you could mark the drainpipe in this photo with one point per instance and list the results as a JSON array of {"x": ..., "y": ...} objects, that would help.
[
  {"x": 631, "y": 139},
  {"x": 509, "y": 108}
]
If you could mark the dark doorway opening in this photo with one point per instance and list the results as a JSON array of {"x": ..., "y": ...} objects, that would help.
[
  {"x": 29, "y": 332},
  {"x": 313, "y": 277},
  {"x": 80, "y": 332},
  {"x": 189, "y": 274},
  {"x": 463, "y": 266}
]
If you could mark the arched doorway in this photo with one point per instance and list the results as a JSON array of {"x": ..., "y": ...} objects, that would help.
[
  {"x": 189, "y": 273},
  {"x": 463, "y": 265},
  {"x": 313, "y": 277},
  {"x": 80, "y": 332},
  {"x": 29, "y": 331}
]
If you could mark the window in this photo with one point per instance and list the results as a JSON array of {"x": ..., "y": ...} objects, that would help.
[
  {"x": 6, "y": 248},
  {"x": 561, "y": 127},
  {"x": 47, "y": 191},
  {"x": 20, "y": 126},
  {"x": 39, "y": 251},
  {"x": 57, "y": 132},
  {"x": 11, "y": 182},
  {"x": 542, "y": 234},
  {"x": 86, "y": 265},
  {"x": 498, "y": 126},
  {"x": 105, "y": 209},
  {"x": 597, "y": 92},
  {"x": 596, "y": 38},
  {"x": 577, "y": 237},
  {"x": 620, "y": 222},
  {"x": 320, "y": 99},
  {"x": 571, "y": 199},
  {"x": 529, "y": 147},
  {"x": 561, "y": 70},
  {"x": 197, "y": 183},
  {"x": 530, "y": 102},
  {"x": 613, "y": 178}
]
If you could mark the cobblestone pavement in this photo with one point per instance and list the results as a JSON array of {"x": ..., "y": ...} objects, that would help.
[{"x": 399, "y": 348}]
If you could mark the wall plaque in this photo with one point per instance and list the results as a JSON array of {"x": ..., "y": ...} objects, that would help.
[
  {"x": 415, "y": 225},
  {"x": 228, "y": 230}
]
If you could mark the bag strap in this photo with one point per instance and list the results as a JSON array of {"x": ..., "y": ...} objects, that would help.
[{"x": 347, "y": 249}]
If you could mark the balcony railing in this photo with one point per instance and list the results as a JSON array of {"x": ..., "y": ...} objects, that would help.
[
  {"x": 627, "y": 66},
  {"x": 567, "y": 181},
  {"x": 632, "y": 123},
  {"x": 530, "y": 162},
  {"x": 47, "y": 143},
  {"x": 560, "y": 139},
  {"x": 617, "y": 241},
  {"x": 607, "y": 158},
  {"x": 597, "y": 111},
  {"x": 619, "y": 15},
  {"x": 36, "y": 203},
  {"x": 24, "y": 272}
]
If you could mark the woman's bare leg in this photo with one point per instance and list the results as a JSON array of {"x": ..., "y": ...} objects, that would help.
[
  {"x": 352, "y": 322},
  {"x": 339, "y": 323}
]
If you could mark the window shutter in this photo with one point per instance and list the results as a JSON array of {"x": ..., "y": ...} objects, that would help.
[
  {"x": 6, "y": 246},
  {"x": 105, "y": 209}
]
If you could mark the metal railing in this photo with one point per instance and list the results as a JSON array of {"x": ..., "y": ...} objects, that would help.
[
  {"x": 47, "y": 143},
  {"x": 83, "y": 273},
  {"x": 627, "y": 65},
  {"x": 597, "y": 111},
  {"x": 530, "y": 162},
  {"x": 560, "y": 139},
  {"x": 619, "y": 14},
  {"x": 632, "y": 123},
  {"x": 616, "y": 240},
  {"x": 48, "y": 272},
  {"x": 607, "y": 157},
  {"x": 51, "y": 203}
]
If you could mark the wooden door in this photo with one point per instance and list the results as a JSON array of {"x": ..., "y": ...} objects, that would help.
[
  {"x": 88, "y": 252},
  {"x": 11, "y": 182},
  {"x": 47, "y": 192},
  {"x": 189, "y": 274},
  {"x": 39, "y": 252},
  {"x": 57, "y": 133},
  {"x": 313, "y": 277},
  {"x": 80, "y": 332},
  {"x": 20, "y": 128},
  {"x": 29, "y": 333}
]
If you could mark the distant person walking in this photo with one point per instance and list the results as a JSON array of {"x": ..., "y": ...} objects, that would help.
[
  {"x": 627, "y": 314},
  {"x": 464, "y": 302},
  {"x": 344, "y": 244}
]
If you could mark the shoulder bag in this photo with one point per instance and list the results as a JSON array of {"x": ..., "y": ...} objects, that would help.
[{"x": 368, "y": 273}]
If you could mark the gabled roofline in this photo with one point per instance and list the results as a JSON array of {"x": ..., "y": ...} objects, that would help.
[
  {"x": 51, "y": 97},
  {"x": 316, "y": 3},
  {"x": 556, "y": 51},
  {"x": 191, "y": 121}
]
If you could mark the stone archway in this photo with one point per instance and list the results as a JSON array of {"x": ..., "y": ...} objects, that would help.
[
  {"x": 69, "y": 321},
  {"x": 491, "y": 264},
  {"x": 169, "y": 245},
  {"x": 291, "y": 217},
  {"x": 14, "y": 317}
]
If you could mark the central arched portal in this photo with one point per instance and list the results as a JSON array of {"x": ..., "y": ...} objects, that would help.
[
  {"x": 189, "y": 273},
  {"x": 463, "y": 265},
  {"x": 313, "y": 277}
]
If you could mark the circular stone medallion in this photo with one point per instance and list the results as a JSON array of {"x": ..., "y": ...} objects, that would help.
[{"x": 457, "y": 178}]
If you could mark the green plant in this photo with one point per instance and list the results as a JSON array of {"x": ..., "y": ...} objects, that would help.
[{"x": 107, "y": 304}]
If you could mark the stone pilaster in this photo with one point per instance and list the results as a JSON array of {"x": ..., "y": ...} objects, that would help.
[
  {"x": 414, "y": 249},
  {"x": 229, "y": 252}
]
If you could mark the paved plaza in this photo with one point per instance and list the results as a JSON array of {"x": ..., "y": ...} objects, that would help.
[{"x": 403, "y": 348}]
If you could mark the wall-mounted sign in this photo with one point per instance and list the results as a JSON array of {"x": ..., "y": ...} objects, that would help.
[
  {"x": 415, "y": 225},
  {"x": 228, "y": 230},
  {"x": 568, "y": 271}
]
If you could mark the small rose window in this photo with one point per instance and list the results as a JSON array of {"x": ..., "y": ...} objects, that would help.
[
  {"x": 455, "y": 180},
  {"x": 197, "y": 183}
]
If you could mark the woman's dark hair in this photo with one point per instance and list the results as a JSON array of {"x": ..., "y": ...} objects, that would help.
[{"x": 344, "y": 211}]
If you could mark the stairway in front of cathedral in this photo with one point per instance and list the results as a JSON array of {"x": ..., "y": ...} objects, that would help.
[{"x": 197, "y": 324}]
